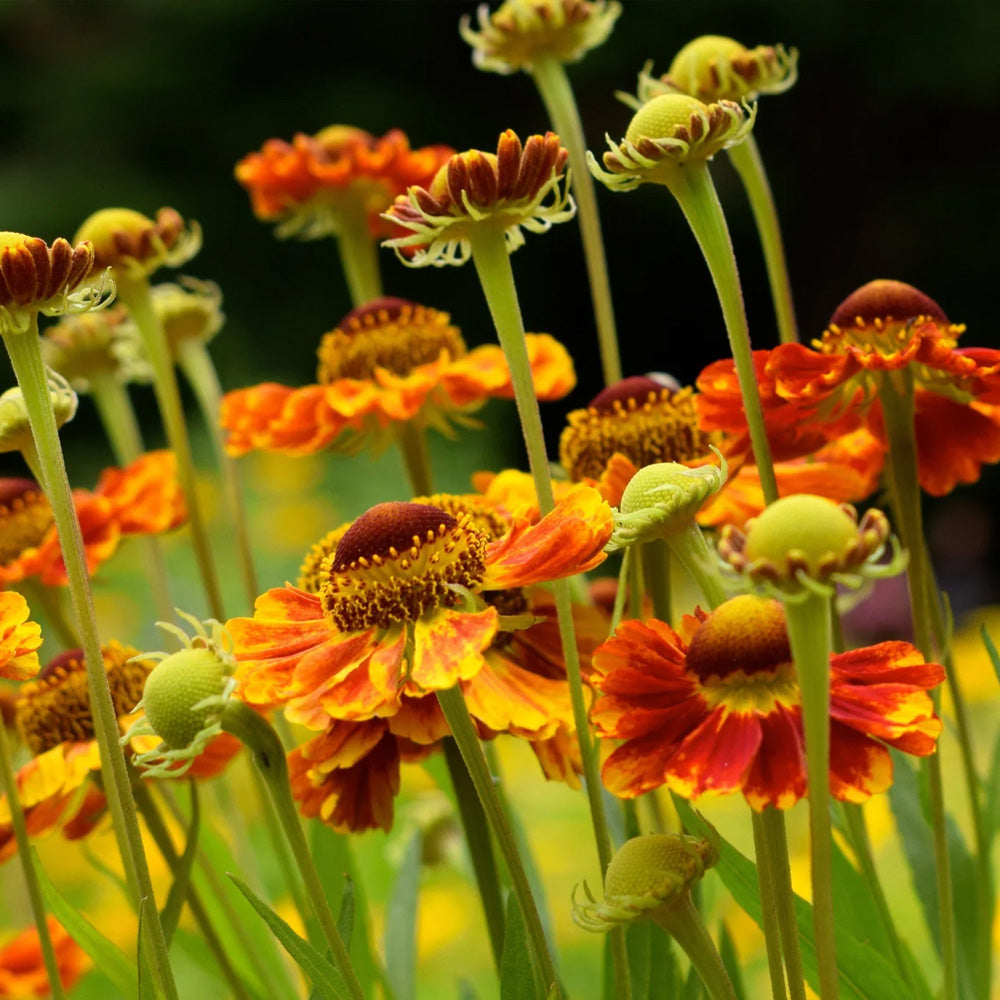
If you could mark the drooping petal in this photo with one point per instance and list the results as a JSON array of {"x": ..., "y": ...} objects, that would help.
[
  {"x": 859, "y": 766},
  {"x": 448, "y": 647},
  {"x": 777, "y": 776},
  {"x": 716, "y": 756}
]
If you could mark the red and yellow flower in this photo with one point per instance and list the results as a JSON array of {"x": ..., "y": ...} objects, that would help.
[
  {"x": 143, "y": 498},
  {"x": 885, "y": 331},
  {"x": 387, "y": 362},
  {"x": 716, "y": 708},
  {"x": 22, "y": 966},
  {"x": 410, "y": 599},
  {"x": 306, "y": 184}
]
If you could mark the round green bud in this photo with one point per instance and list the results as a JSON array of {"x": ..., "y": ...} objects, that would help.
[
  {"x": 662, "y": 116},
  {"x": 660, "y": 865},
  {"x": 175, "y": 690},
  {"x": 818, "y": 531}
]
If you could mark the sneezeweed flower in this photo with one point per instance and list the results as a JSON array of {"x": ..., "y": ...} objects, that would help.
[
  {"x": 716, "y": 707},
  {"x": 143, "y": 498},
  {"x": 309, "y": 185},
  {"x": 385, "y": 364},
  {"x": 518, "y": 186},
  {"x": 518, "y": 32},
  {"x": 19, "y": 639},
  {"x": 190, "y": 310},
  {"x": 22, "y": 967},
  {"x": 15, "y": 427},
  {"x": 887, "y": 333}
]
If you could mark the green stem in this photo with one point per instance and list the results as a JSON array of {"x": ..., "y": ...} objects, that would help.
[
  {"x": 553, "y": 84},
  {"x": 745, "y": 158},
  {"x": 137, "y": 299},
  {"x": 811, "y": 640},
  {"x": 775, "y": 838},
  {"x": 692, "y": 186},
  {"x": 358, "y": 255},
  {"x": 412, "y": 441},
  {"x": 17, "y": 821},
  {"x": 463, "y": 730},
  {"x": 477, "y": 838},
  {"x": 656, "y": 574},
  {"x": 896, "y": 397},
  {"x": 693, "y": 552},
  {"x": 196, "y": 363},
  {"x": 160, "y": 834},
  {"x": 269, "y": 757},
  {"x": 29, "y": 369},
  {"x": 764, "y": 851},
  {"x": 683, "y": 923},
  {"x": 117, "y": 415}
]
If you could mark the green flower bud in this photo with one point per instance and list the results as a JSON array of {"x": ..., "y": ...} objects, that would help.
[{"x": 15, "y": 430}]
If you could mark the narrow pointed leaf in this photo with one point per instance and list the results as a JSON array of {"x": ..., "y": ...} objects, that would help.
[
  {"x": 517, "y": 978},
  {"x": 727, "y": 952},
  {"x": 991, "y": 650},
  {"x": 401, "y": 923}
]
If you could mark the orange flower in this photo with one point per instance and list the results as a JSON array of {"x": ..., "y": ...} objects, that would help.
[
  {"x": 52, "y": 714},
  {"x": 305, "y": 185},
  {"x": 388, "y": 361},
  {"x": 410, "y": 599},
  {"x": 716, "y": 708},
  {"x": 143, "y": 498},
  {"x": 19, "y": 639},
  {"x": 22, "y": 967},
  {"x": 884, "y": 329},
  {"x": 644, "y": 420}
]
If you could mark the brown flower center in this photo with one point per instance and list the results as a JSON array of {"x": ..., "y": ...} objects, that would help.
[
  {"x": 398, "y": 561},
  {"x": 744, "y": 635},
  {"x": 55, "y": 707},
  {"x": 25, "y": 517},
  {"x": 639, "y": 419},
  {"x": 387, "y": 333}
]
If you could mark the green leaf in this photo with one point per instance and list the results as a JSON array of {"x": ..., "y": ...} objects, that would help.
[
  {"x": 517, "y": 977},
  {"x": 991, "y": 817},
  {"x": 727, "y": 952},
  {"x": 864, "y": 973},
  {"x": 326, "y": 979},
  {"x": 638, "y": 948},
  {"x": 116, "y": 966},
  {"x": 182, "y": 870},
  {"x": 401, "y": 922},
  {"x": 147, "y": 990},
  {"x": 345, "y": 916},
  {"x": 991, "y": 651}
]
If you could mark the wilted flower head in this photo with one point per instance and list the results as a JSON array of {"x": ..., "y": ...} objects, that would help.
[
  {"x": 504, "y": 190},
  {"x": 519, "y": 32}
]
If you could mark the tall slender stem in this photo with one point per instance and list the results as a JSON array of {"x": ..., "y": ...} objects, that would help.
[
  {"x": 692, "y": 551},
  {"x": 29, "y": 369},
  {"x": 9, "y": 782},
  {"x": 358, "y": 255},
  {"x": 553, "y": 84},
  {"x": 656, "y": 570},
  {"x": 810, "y": 634},
  {"x": 412, "y": 441},
  {"x": 745, "y": 158},
  {"x": 764, "y": 850},
  {"x": 684, "y": 924},
  {"x": 136, "y": 297},
  {"x": 196, "y": 363},
  {"x": 692, "y": 186}
]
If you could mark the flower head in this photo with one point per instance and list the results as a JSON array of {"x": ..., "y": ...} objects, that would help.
[
  {"x": 518, "y": 32},
  {"x": 717, "y": 708},
  {"x": 190, "y": 310},
  {"x": 36, "y": 277},
  {"x": 134, "y": 246},
  {"x": 385, "y": 362},
  {"x": 15, "y": 425},
  {"x": 22, "y": 966},
  {"x": 506, "y": 190},
  {"x": 667, "y": 132},
  {"x": 307, "y": 185}
]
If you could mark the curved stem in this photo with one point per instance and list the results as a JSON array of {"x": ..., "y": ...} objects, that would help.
[
  {"x": 26, "y": 360},
  {"x": 896, "y": 397},
  {"x": 745, "y": 158},
  {"x": 764, "y": 852},
  {"x": 683, "y": 923},
  {"x": 553, "y": 84},
  {"x": 196, "y": 363},
  {"x": 8, "y": 781},
  {"x": 693, "y": 552},
  {"x": 137, "y": 300},
  {"x": 656, "y": 574},
  {"x": 692, "y": 186},
  {"x": 269, "y": 757},
  {"x": 358, "y": 255},
  {"x": 810, "y": 635},
  {"x": 412, "y": 441}
]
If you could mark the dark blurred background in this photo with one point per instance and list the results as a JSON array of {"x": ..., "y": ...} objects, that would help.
[{"x": 882, "y": 158}]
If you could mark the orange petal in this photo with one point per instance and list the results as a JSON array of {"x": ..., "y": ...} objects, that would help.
[{"x": 448, "y": 648}]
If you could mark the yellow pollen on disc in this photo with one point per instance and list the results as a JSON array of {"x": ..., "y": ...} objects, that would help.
[
  {"x": 55, "y": 708},
  {"x": 25, "y": 518},
  {"x": 388, "y": 333},
  {"x": 661, "y": 117},
  {"x": 398, "y": 561},
  {"x": 660, "y": 426}
]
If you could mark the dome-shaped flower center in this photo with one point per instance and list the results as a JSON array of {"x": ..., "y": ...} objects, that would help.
[
  {"x": 55, "y": 707},
  {"x": 398, "y": 561},
  {"x": 641, "y": 420},
  {"x": 387, "y": 333},
  {"x": 742, "y": 643},
  {"x": 25, "y": 517},
  {"x": 663, "y": 116},
  {"x": 121, "y": 235}
]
